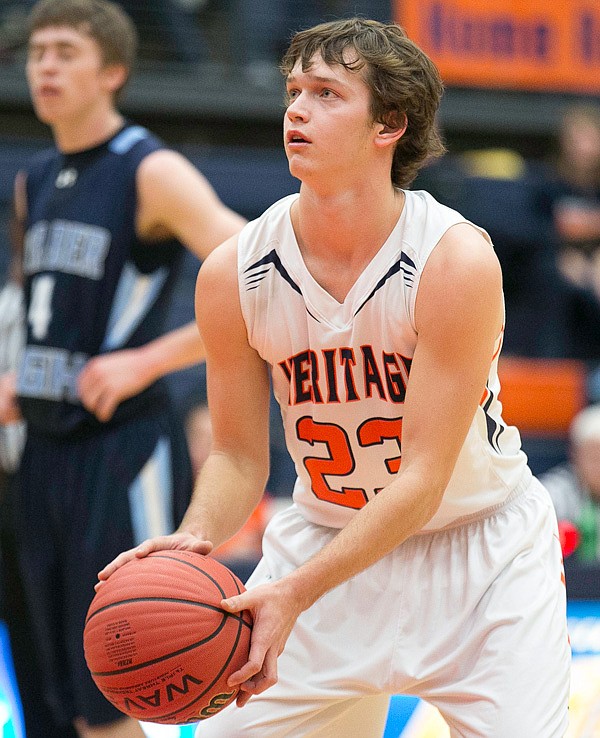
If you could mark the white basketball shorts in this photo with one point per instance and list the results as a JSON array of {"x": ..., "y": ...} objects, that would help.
[{"x": 471, "y": 618}]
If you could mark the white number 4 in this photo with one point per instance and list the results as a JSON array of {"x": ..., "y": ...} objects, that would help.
[{"x": 40, "y": 310}]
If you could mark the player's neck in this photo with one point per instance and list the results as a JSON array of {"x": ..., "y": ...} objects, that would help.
[
  {"x": 338, "y": 239},
  {"x": 75, "y": 135},
  {"x": 345, "y": 221}
]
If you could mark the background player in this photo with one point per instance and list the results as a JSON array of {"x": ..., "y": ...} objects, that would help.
[
  {"x": 420, "y": 556},
  {"x": 103, "y": 216}
]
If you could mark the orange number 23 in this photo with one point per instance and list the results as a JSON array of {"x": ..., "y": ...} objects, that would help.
[{"x": 341, "y": 461}]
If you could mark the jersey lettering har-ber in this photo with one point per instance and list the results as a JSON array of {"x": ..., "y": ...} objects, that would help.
[{"x": 340, "y": 370}]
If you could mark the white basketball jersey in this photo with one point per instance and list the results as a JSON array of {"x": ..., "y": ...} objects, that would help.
[{"x": 340, "y": 371}]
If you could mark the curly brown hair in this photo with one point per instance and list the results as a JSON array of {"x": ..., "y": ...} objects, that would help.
[{"x": 405, "y": 84}]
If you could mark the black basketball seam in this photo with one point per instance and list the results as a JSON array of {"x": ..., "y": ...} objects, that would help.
[
  {"x": 189, "y": 647},
  {"x": 214, "y": 681},
  {"x": 178, "y": 600}
]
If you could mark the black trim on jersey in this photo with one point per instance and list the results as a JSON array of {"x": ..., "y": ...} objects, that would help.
[
  {"x": 494, "y": 430},
  {"x": 271, "y": 258},
  {"x": 405, "y": 265}
]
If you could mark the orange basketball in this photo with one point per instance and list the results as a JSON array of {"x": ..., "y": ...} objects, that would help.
[{"x": 157, "y": 643}]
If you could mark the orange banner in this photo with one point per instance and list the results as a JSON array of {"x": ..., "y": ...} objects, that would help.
[{"x": 512, "y": 44}]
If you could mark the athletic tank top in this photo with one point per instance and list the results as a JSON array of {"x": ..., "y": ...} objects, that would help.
[
  {"x": 340, "y": 371},
  {"x": 91, "y": 286}
]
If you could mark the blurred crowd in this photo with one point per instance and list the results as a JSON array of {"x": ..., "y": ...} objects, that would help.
[{"x": 246, "y": 34}]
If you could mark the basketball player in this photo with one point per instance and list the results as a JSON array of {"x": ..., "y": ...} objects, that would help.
[
  {"x": 420, "y": 555},
  {"x": 104, "y": 215}
]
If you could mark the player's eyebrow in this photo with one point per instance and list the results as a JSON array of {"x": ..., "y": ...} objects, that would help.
[
  {"x": 316, "y": 79},
  {"x": 37, "y": 45}
]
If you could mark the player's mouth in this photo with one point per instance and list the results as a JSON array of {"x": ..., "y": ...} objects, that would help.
[
  {"x": 47, "y": 92},
  {"x": 295, "y": 139}
]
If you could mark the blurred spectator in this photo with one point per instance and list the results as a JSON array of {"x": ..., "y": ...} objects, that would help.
[
  {"x": 575, "y": 485},
  {"x": 547, "y": 315},
  {"x": 577, "y": 196}
]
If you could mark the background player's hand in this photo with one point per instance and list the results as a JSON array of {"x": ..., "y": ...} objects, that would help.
[
  {"x": 274, "y": 610},
  {"x": 176, "y": 541},
  {"x": 9, "y": 407},
  {"x": 108, "y": 379}
]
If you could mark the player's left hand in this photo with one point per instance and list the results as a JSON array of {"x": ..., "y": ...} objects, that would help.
[
  {"x": 274, "y": 611},
  {"x": 108, "y": 379}
]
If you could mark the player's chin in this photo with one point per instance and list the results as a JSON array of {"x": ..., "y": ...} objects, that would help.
[{"x": 46, "y": 112}]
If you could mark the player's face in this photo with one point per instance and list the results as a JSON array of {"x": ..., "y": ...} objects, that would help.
[
  {"x": 65, "y": 73},
  {"x": 328, "y": 127}
]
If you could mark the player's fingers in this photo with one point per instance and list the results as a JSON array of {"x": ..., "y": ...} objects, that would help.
[
  {"x": 90, "y": 395},
  {"x": 117, "y": 562},
  {"x": 106, "y": 406},
  {"x": 234, "y": 604},
  {"x": 249, "y": 670},
  {"x": 261, "y": 681},
  {"x": 242, "y": 698},
  {"x": 259, "y": 648},
  {"x": 182, "y": 541}
]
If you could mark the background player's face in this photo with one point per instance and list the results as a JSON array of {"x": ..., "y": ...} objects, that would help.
[
  {"x": 328, "y": 127},
  {"x": 66, "y": 74}
]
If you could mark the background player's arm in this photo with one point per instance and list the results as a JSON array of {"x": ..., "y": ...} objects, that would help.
[
  {"x": 174, "y": 200},
  {"x": 459, "y": 317}
]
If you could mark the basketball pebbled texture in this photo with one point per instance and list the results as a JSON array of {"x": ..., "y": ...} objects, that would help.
[{"x": 157, "y": 643}]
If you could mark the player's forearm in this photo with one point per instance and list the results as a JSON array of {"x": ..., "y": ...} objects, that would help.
[
  {"x": 178, "y": 349},
  {"x": 227, "y": 490},
  {"x": 397, "y": 512}
]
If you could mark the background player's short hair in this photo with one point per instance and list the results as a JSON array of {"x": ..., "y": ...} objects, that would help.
[
  {"x": 405, "y": 84},
  {"x": 106, "y": 22}
]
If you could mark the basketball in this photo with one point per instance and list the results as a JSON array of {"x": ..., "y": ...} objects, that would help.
[{"x": 157, "y": 643}]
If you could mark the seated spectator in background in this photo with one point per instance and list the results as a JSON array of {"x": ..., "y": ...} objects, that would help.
[
  {"x": 575, "y": 485},
  {"x": 576, "y": 204}
]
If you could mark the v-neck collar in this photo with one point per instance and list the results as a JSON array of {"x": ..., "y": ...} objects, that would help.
[{"x": 318, "y": 300}]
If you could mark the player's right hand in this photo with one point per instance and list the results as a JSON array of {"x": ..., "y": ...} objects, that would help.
[{"x": 181, "y": 541}]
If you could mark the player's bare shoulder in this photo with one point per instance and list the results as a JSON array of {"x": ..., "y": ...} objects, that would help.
[
  {"x": 462, "y": 276},
  {"x": 467, "y": 253},
  {"x": 217, "y": 300}
]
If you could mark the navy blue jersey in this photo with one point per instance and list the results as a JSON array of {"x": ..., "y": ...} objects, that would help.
[{"x": 91, "y": 285}]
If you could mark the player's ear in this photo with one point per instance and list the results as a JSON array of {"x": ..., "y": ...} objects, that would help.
[
  {"x": 115, "y": 76},
  {"x": 391, "y": 130}
]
